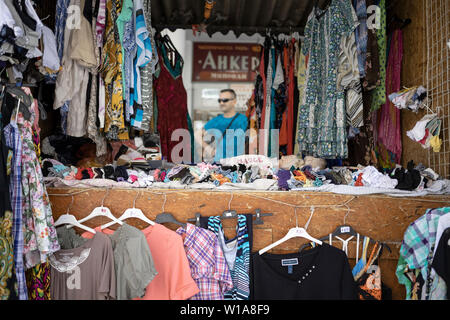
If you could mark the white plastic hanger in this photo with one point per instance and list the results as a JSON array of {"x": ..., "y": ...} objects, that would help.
[
  {"x": 101, "y": 212},
  {"x": 131, "y": 213},
  {"x": 293, "y": 233},
  {"x": 71, "y": 220}
]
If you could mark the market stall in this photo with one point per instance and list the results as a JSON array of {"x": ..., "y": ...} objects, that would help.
[{"x": 348, "y": 141}]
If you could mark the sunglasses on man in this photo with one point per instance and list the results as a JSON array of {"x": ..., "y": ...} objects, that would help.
[{"x": 224, "y": 100}]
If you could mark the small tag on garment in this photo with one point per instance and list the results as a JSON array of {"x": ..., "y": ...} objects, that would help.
[
  {"x": 290, "y": 269},
  {"x": 345, "y": 229},
  {"x": 372, "y": 269},
  {"x": 289, "y": 262}
]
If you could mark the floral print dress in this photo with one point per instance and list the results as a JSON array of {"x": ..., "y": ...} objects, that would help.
[
  {"x": 40, "y": 238},
  {"x": 322, "y": 125}
]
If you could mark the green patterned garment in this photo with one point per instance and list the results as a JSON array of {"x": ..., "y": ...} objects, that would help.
[
  {"x": 322, "y": 116},
  {"x": 379, "y": 94}
]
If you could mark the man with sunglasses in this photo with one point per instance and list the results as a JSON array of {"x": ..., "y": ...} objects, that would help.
[{"x": 229, "y": 120}]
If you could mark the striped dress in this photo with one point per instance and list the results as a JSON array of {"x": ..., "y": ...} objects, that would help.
[{"x": 240, "y": 271}]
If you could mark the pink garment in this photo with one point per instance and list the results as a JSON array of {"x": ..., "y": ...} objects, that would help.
[{"x": 389, "y": 131}]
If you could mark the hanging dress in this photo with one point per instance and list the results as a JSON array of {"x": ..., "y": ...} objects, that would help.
[
  {"x": 389, "y": 130},
  {"x": 172, "y": 101},
  {"x": 322, "y": 131},
  {"x": 240, "y": 265},
  {"x": 40, "y": 238}
]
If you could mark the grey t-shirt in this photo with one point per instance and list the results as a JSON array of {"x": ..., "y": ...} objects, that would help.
[
  {"x": 133, "y": 262},
  {"x": 68, "y": 238},
  {"x": 84, "y": 273}
]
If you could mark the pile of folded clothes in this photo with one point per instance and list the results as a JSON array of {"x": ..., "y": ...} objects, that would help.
[
  {"x": 249, "y": 171},
  {"x": 145, "y": 176}
]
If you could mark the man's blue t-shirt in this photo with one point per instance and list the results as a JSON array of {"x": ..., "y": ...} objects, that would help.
[{"x": 221, "y": 123}]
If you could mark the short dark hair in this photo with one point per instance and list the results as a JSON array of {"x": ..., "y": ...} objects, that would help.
[{"x": 230, "y": 91}]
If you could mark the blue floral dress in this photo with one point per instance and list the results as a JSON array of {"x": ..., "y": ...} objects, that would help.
[{"x": 322, "y": 130}]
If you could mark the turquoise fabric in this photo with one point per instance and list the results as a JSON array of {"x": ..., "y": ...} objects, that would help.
[{"x": 221, "y": 123}]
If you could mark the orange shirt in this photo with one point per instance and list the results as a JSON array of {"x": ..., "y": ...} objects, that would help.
[{"x": 174, "y": 280}]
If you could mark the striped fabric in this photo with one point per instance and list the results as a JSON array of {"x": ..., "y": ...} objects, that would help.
[
  {"x": 355, "y": 115},
  {"x": 147, "y": 75},
  {"x": 13, "y": 141},
  {"x": 143, "y": 57},
  {"x": 241, "y": 268}
]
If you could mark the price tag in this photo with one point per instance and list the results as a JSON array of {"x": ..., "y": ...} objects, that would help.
[{"x": 345, "y": 229}]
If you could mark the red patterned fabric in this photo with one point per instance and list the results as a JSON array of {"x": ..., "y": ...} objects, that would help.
[{"x": 172, "y": 104}]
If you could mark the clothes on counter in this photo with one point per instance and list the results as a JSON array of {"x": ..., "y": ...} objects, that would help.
[
  {"x": 322, "y": 273},
  {"x": 207, "y": 263}
]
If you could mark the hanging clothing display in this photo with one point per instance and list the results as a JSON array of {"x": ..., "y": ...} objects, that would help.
[
  {"x": 38, "y": 282},
  {"x": 8, "y": 282},
  {"x": 441, "y": 259},
  {"x": 84, "y": 273},
  {"x": 111, "y": 69},
  {"x": 379, "y": 94},
  {"x": 40, "y": 239},
  {"x": 237, "y": 253},
  {"x": 322, "y": 130},
  {"x": 133, "y": 261},
  {"x": 172, "y": 97},
  {"x": 416, "y": 253},
  {"x": 322, "y": 273},
  {"x": 174, "y": 280},
  {"x": 207, "y": 263},
  {"x": 389, "y": 130},
  {"x": 14, "y": 142}
]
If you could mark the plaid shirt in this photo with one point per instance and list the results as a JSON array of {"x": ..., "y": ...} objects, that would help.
[
  {"x": 207, "y": 263},
  {"x": 13, "y": 141},
  {"x": 417, "y": 252}
]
